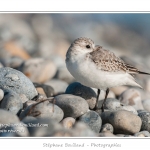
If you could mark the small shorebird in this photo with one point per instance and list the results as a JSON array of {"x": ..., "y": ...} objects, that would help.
[{"x": 96, "y": 67}]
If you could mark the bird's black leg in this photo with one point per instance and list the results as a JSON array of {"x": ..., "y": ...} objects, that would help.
[
  {"x": 97, "y": 98},
  {"x": 107, "y": 91}
]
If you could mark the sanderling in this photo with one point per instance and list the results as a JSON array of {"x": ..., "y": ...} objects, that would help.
[{"x": 93, "y": 66}]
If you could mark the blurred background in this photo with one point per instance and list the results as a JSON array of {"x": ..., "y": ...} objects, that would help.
[{"x": 29, "y": 41}]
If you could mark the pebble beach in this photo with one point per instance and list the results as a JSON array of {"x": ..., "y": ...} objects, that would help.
[{"x": 40, "y": 98}]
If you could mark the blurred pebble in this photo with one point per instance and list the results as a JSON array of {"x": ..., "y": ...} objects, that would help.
[
  {"x": 64, "y": 74},
  {"x": 11, "y": 118},
  {"x": 107, "y": 127},
  {"x": 40, "y": 91},
  {"x": 123, "y": 121},
  {"x": 28, "y": 119},
  {"x": 142, "y": 134},
  {"x": 131, "y": 97},
  {"x": 85, "y": 92},
  {"x": 1, "y": 65},
  {"x": 146, "y": 104},
  {"x": 1, "y": 94},
  {"x": 28, "y": 103},
  {"x": 93, "y": 120},
  {"x": 68, "y": 122},
  {"x": 118, "y": 90},
  {"x": 43, "y": 110},
  {"x": 106, "y": 133},
  {"x": 13, "y": 80},
  {"x": 145, "y": 117},
  {"x": 73, "y": 106},
  {"x": 12, "y": 102},
  {"x": 83, "y": 130},
  {"x": 49, "y": 91},
  {"x": 38, "y": 69},
  {"x": 59, "y": 86}
]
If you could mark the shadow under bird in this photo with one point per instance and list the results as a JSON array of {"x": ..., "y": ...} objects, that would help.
[{"x": 96, "y": 67}]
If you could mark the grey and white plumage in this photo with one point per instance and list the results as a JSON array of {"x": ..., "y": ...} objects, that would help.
[{"x": 96, "y": 67}]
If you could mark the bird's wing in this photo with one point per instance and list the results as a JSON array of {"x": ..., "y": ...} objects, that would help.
[{"x": 107, "y": 61}]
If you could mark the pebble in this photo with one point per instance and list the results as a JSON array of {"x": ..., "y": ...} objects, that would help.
[
  {"x": 83, "y": 130},
  {"x": 131, "y": 97},
  {"x": 85, "y": 92},
  {"x": 12, "y": 102},
  {"x": 59, "y": 86},
  {"x": 124, "y": 122},
  {"x": 68, "y": 122},
  {"x": 106, "y": 134},
  {"x": 142, "y": 134},
  {"x": 145, "y": 117},
  {"x": 15, "y": 81},
  {"x": 23, "y": 98},
  {"x": 72, "y": 106},
  {"x": 40, "y": 91},
  {"x": 1, "y": 65},
  {"x": 43, "y": 110},
  {"x": 48, "y": 90},
  {"x": 28, "y": 103},
  {"x": 38, "y": 69},
  {"x": 64, "y": 74},
  {"x": 11, "y": 118},
  {"x": 118, "y": 90},
  {"x": 93, "y": 120},
  {"x": 146, "y": 104},
  {"x": 107, "y": 127},
  {"x": 1, "y": 94},
  {"x": 114, "y": 104}
]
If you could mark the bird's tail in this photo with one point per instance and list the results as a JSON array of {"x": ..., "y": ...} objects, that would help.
[{"x": 143, "y": 73}]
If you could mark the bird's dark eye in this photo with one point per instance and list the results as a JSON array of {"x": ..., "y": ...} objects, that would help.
[{"x": 88, "y": 46}]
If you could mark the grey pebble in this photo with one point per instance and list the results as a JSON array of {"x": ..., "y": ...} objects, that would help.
[
  {"x": 12, "y": 102},
  {"x": 124, "y": 122},
  {"x": 106, "y": 134},
  {"x": 85, "y": 92},
  {"x": 146, "y": 104},
  {"x": 107, "y": 127},
  {"x": 13, "y": 80},
  {"x": 93, "y": 120},
  {"x": 59, "y": 86},
  {"x": 72, "y": 106},
  {"x": 43, "y": 110},
  {"x": 145, "y": 117},
  {"x": 1, "y": 94},
  {"x": 49, "y": 91},
  {"x": 7, "y": 117},
  {"x": 142, "y": 134}
]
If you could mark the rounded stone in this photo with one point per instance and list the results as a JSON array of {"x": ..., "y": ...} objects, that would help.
[
  {"x": 68, "y": 122},
  {"x": 72, "y": 106},
  {"x": 43, "y": 110},
  {"x": 93, "y": 120},
  {"x": 145, "y": 117},
  {"x": 49, "y": 91},
  {"x": 146, "y": 104},
  {"x": 1, "y": 94},
  {"x": 85, "y": 92},
  {"x": 59, "y": 86},
  {"x": 38, "y": 69},
  {"x": 7, "y": 117},
  {"x": 15, "y": 81},
  {"x": 107, "y": 127},
  {"x": 106, "y": 134},
  {"x": 12, "y": 102},
  {"x": 124, "y": 122},
  {"x": 23, "y": 98},
  {"x": 118, "y": 90},
  {"x": 131, "y": 97},
  {"x": 142, "y": 134}
]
